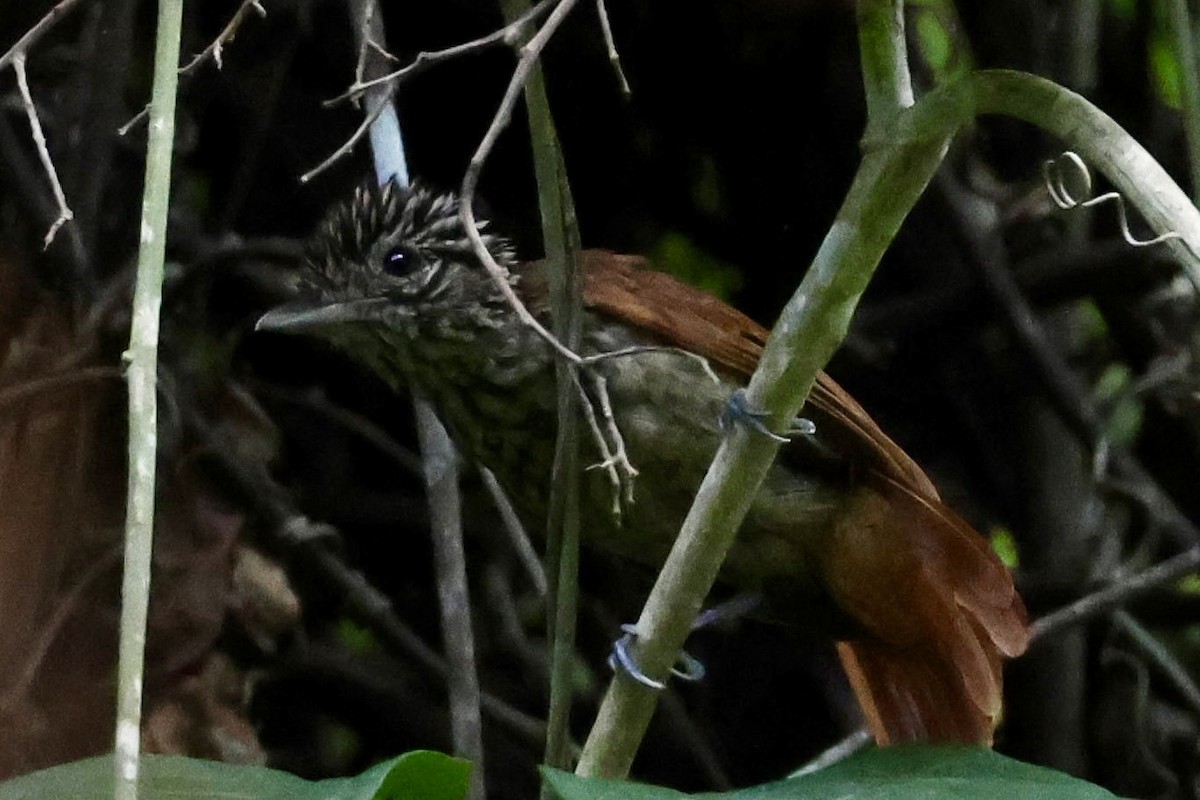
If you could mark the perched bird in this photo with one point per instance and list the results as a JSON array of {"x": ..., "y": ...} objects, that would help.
[{"x": 846, "y": 528}]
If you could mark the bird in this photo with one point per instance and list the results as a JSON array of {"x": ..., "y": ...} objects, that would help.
[{"x": 846, "y": 530}]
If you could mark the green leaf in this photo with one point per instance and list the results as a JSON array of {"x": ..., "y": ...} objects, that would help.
[
  {"x": 893, "y": 773},
  {"x": 419, "y": 775}
]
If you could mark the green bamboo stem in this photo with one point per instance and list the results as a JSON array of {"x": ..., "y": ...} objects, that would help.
[{"x": 142, "y": 376}]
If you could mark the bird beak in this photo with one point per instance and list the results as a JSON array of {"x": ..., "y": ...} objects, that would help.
[{"x": 305, "y": 316}]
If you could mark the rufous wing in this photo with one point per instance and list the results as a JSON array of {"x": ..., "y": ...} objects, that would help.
[{"x": 936, "y": 607}]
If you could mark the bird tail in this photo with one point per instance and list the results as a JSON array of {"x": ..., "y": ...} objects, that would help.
[{"x": 938, "y": 614}]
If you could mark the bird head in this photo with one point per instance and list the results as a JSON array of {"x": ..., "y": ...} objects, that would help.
[{"x": 395, "y": 257}]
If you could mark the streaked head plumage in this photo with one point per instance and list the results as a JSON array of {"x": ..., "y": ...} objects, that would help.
[{"x": 363, "y": 237}]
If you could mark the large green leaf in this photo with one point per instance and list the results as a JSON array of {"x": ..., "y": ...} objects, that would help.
[
  {"x": 419, "y": 775},
  {"x": 894, "y": 773}
]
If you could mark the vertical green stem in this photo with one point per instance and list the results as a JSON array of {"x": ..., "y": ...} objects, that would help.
[
  {"x": 890, "y": 179},
  {"x": 561, "y": 237},
  {"x": 884, "y": 56},
  {"x": 142, "y": 360}
]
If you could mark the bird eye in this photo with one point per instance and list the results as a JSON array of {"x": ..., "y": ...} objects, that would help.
[{"x": 401, "y": 261}]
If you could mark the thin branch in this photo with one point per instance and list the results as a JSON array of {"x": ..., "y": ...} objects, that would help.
[
  {"x": 65, "y": 214},
  {"x": 362, "y": 130},
  {"x": 426, "y": 59},
  {"x": 523, "y": 72},
  {"x": 637, "y": 350},
  {"x": 619, "y": 460},
  {"x": 438, "y": 455},
  {"x": 529, "y": 57},
  {"x": 227, "y": 34},
  {"x": 607, "y": 458},
  {"x": 526, "y": 553},
  {"x": 213, "y": 52},
  {"x": 22, "y": 45},
  {"x": 610, "y": 44},
  {"x": 1117, "y": 594}
]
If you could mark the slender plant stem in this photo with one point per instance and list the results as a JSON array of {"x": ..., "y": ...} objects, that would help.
[
  {"x": 560, "y": 235},
  {"x": 439, "y": 457},
  {"x": 898, "y": 165},
  {"x": 814, "y": 322},
  {"x": 886, "y": 79},
  {"x": 142, "y": 360}
]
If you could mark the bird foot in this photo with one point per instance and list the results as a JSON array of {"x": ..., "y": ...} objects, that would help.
[
  {"x": 739, "y": 410},
  {"x": 689, "y": 668}
]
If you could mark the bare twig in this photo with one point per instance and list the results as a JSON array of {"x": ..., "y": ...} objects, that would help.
[
  {"x": 526, "y": 553},
  {"x": 134, "y": 120},
  {"x": 366, "y": 43},
  {"x": 426, "y": 59},
  {"x": 529, "y": 56},
  {"x": 619, "y": 460},
  {"x": 22, "y": 45},
  {"x": 1118, "y": 593},
  {"x": 610, "y": 44},
  {"x": 210, "y": 53},
  {"x": 392, "y": 80},
  {"x": 516, "y": 85},
  {"x": 227, "y": 34},
  {"x": 361, "y": 131},
  {"x": 637, "y": 350},
  {"x": 607, "y": 460},
  {"x": 16, "y": 56},
  {"x": 65, "y": 214}
]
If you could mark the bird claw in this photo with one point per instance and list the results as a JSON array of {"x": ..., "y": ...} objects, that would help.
[
  {"x": 738, "y": 409},
  {"x": 621, "y": 659}
]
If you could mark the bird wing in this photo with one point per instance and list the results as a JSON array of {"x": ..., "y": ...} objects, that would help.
[{"x": 937, "y": 607}]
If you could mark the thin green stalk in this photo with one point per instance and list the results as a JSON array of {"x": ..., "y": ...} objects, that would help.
[
  {"x": 142, "y": 376},
  {"x": 889, "y": 181},
  {"x": 560, "y": 235},
  {"x": 810, "y": 328},
  {"x": 884, "y": 55}
]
